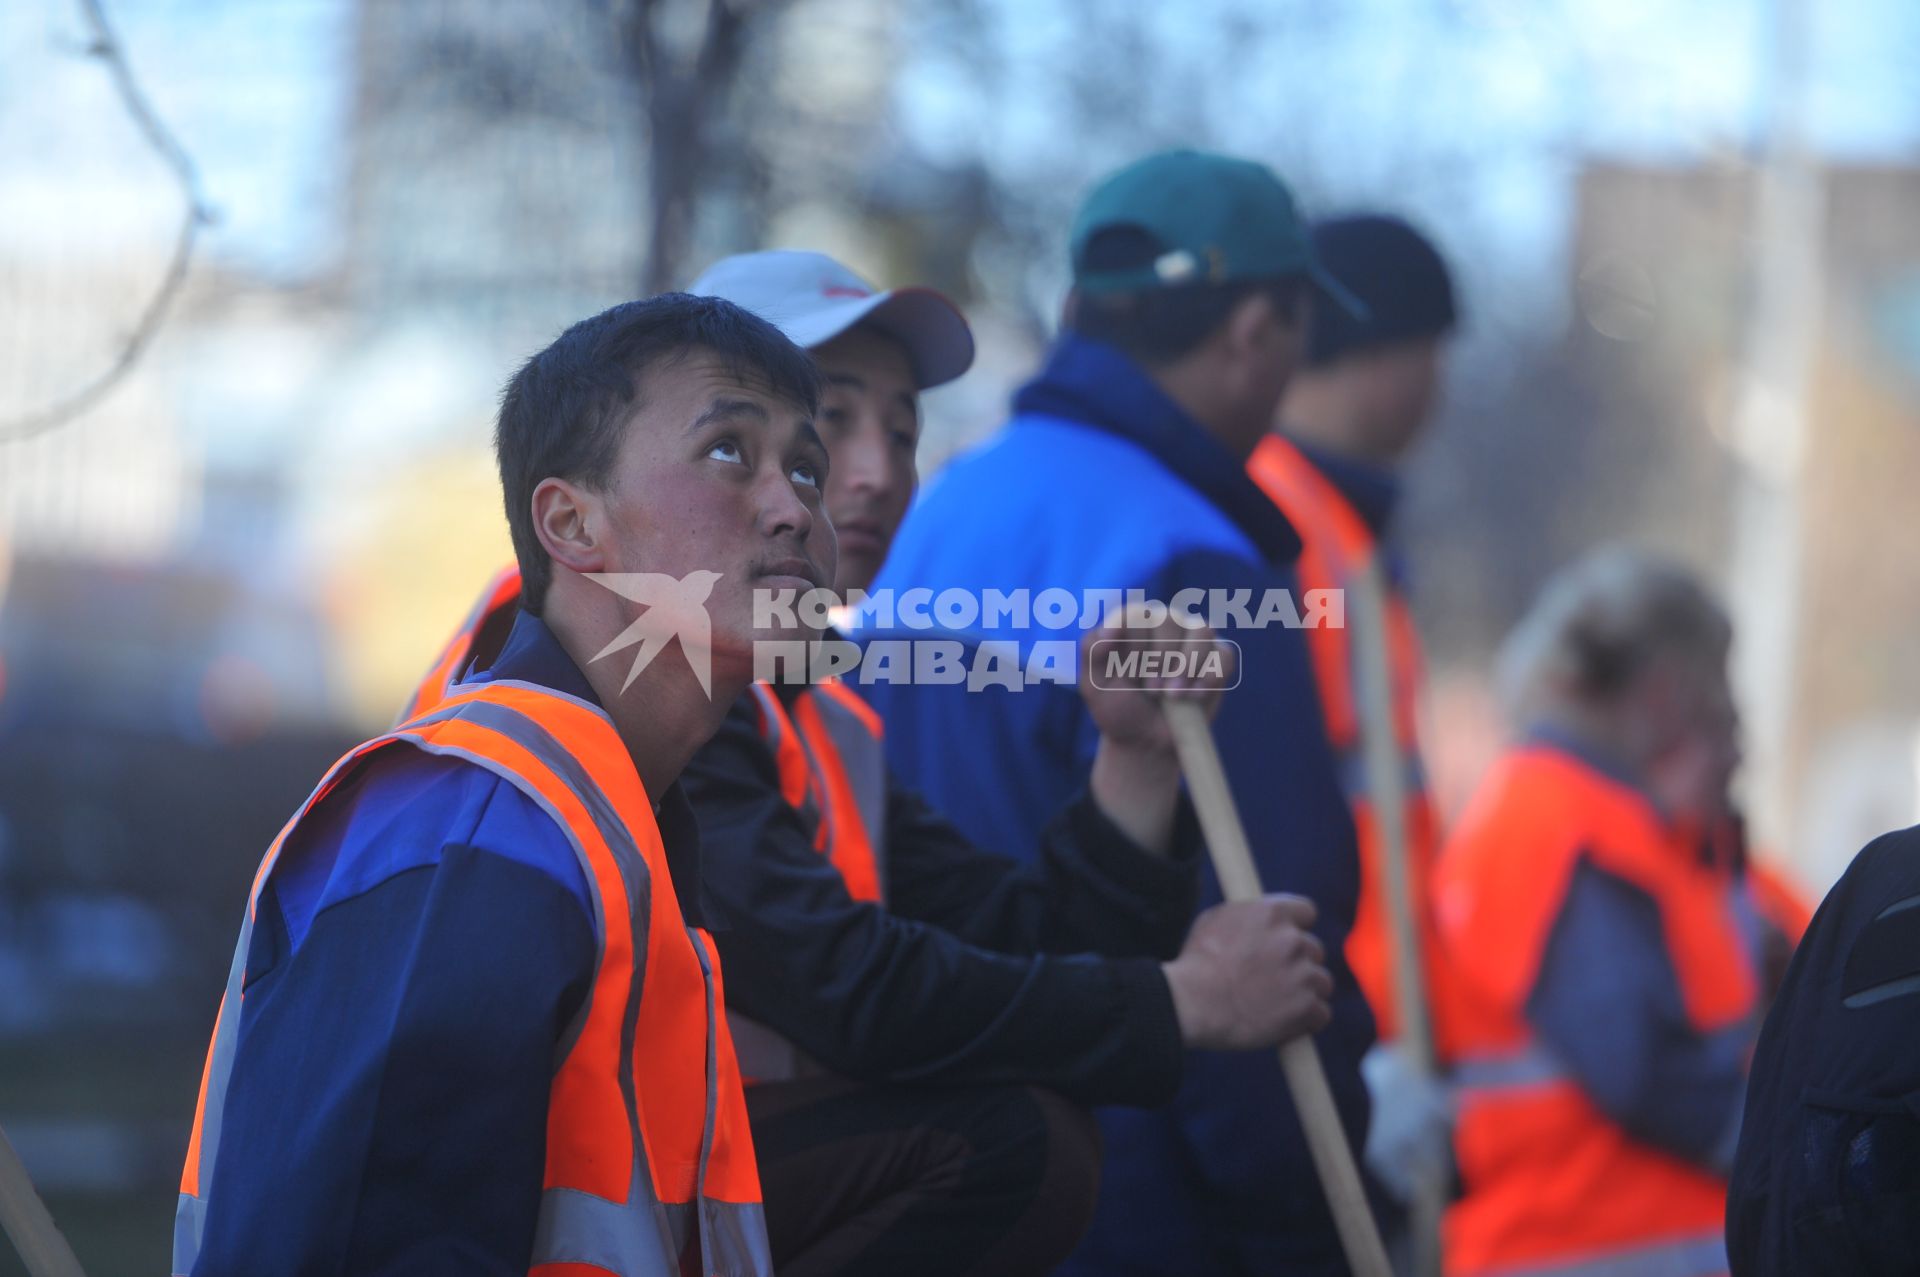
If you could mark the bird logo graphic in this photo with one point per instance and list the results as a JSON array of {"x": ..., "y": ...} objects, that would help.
[{"x": 675, "y": 609}]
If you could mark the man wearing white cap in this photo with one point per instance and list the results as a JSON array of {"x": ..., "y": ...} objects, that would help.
[{"x": 920, "y": 1021}]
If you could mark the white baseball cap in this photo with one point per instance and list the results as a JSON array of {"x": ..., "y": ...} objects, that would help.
[{"x": 813, "y": 299}]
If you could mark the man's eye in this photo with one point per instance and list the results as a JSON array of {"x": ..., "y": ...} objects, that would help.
[
  {"x": 906, "y": 439},
  {"x": 805, "y": 473},
  {"x": 725, "y": 450}
]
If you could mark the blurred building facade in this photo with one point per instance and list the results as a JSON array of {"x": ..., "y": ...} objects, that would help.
[{"x": 1666, "y": 265}]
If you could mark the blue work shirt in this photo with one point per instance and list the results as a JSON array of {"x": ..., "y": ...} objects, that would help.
[
  {"x": 1101, "y": 482},
  {"x": 417, "y": 955}
]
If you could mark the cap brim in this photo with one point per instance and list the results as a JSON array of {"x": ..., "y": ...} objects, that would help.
[
  {"x": 1332, "y": 290},
  {"x": 938, "y": 341}
]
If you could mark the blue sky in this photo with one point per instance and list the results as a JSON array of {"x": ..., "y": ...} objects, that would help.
[
  {"x": 1470, "y": 111},
  {"x": 256, "y": 90},
  {"x": 1473, "y": 116}
]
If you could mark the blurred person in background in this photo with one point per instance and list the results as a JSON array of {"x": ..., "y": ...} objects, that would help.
[
  {"x": 473, "y": 1019},
  {"x": 1350, "y": 415},
  {"x": 1827, "y": 1176},
  {"x": 1124, "y": 467},
  {"x": 928, "y": 1018},
  {"x": 1607, "y": 983}
]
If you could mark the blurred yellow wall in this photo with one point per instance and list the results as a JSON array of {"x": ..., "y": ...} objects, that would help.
[{"x": 428, "y": 539}]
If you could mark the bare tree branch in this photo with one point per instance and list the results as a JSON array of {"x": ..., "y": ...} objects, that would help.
[
  {"x": 106, "y": 46},
  {"x": 683, "y": 96}
]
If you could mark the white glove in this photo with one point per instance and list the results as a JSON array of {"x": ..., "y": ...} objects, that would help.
[{"x": 1411, "y": 1139}]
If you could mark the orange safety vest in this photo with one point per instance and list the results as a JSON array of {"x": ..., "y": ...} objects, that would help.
[
  {"x": 828, "y": 748},
  {"x": 490, "y": 615},
  {"x": 649, "y": 1161},
  {"x": 829, "y": 751},
  {"x": 1551, "y": 1185},
  {"x": 1336, "y": 544}
]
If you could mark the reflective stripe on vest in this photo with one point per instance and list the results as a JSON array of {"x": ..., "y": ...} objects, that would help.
[
  {"x": 502, "y": 594},
  {"x": 648, "y": 1160},
  {"x": 1551, "y": 1184},
  {"x": 1702, "y": 1254},
  {"x": 828, "y": 754},
  {"x": 1336, "y": 544},
  {"x": 1519, "y": 1069},
  {"x": 1491, "y": 1074}
]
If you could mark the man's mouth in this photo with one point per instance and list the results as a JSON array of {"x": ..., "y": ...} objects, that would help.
[
  {"x": 795, "y": 569},
  {"x": 861, "y": 533}
]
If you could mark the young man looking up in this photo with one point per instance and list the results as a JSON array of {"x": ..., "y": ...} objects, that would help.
[
  {"x": 926, "y": 1014},
  {"x": 473, "y": 1023}
]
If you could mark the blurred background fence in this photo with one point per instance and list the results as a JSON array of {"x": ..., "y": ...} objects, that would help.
[{"x": 241, "y": 503}]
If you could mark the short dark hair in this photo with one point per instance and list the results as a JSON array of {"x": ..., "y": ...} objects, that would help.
[
  {"x": 1159, "y": 325},
  {"x": 562, "y": 414}
]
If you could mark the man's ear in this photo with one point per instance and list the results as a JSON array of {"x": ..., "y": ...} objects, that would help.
[
  {"x": 566, "y": 519},
  {"x": 1254, "y": 324},
  {"x": 1280, "y": 332}
]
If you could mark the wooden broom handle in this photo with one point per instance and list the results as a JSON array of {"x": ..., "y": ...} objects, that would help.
[
  {"x": 1368, "y": 624},
  {"x": 1240, "y": 880},
  {"x": 44, "y": 1251}
]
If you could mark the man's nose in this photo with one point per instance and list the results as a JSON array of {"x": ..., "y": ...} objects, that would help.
[
  {"x": 781, "y": 509},
  {"x": 860, "y": 461}
]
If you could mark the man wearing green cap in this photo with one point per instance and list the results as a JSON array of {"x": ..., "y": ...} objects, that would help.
[
  {"x": 1123, "y": 469},
  {"x": 920, "y": 1021}
]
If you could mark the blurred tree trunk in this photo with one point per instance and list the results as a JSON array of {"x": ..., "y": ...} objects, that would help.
[{"x": 685, "y": 57}]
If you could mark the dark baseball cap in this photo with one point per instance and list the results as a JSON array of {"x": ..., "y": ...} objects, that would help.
[
  {"x": 1216, "y": 219},
  {"x": 1398, "y": 275}
]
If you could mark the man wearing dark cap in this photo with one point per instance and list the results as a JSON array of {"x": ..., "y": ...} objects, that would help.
[
  {"x": 1348, "y": 417},
  {"x": 1369, "y": 382},
  {"x": 1123, "y": 469}
]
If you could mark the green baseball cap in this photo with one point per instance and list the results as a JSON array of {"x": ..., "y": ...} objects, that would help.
[{"x": 1217, "y": 219}]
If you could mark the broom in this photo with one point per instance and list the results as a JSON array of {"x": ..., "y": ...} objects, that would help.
[{"x": 1240, "y": 880}]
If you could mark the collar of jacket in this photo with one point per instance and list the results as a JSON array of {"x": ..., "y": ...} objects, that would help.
[
  {"x": 787, "y": 693},
  {"x": 1546, "y": 734},
  {"x": 1373, "y": 491},
  {"x": 1094, "y": 384},
  {"x": 532, "y": 654}
]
